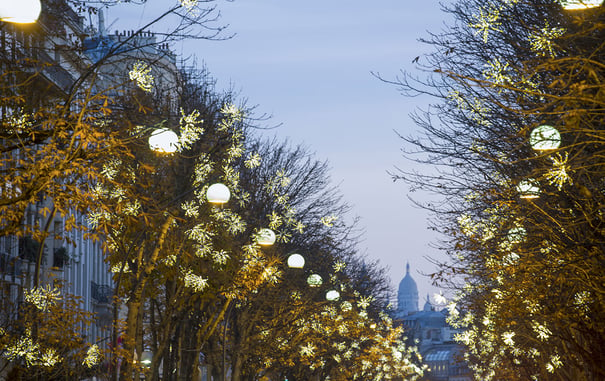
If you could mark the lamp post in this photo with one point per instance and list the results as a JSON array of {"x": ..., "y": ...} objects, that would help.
[
  {"x": 265, "y": 237},
  {"x": 146, "y": 358},
  {"x": 528, "y": 189},
  {"x": 544, "y": 138},
  {"x": 163, "y": 140},
  {"x": 571, "y": 5},
  {"x": 218, "y": 194},
  {"x": 332, "y": 295},
  {"x": 20, "y": 12},
  {"x": 314, "y": 280},
  {"x": 296, "y": 261}
]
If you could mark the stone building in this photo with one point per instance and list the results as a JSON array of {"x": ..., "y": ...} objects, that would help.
[
  {"x": 44, "y": 53},
  {"x": 429, "y": 331},
  {"x": 407, "y": 294},
  {"x": 56, "y": 53}
]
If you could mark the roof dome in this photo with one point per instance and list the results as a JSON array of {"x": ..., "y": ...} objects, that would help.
[
  {"x": 427, "y": 305},
  {"x": 407, "y": 297},
  {"x": 408, "y": 284}
]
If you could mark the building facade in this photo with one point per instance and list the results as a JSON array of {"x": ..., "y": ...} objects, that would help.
[
  {"x": 45, "y": 54},
  {"x": 60, "y": 50},
  {"x": 407, "y": 294},
  {"x": 428, "y": 330}
]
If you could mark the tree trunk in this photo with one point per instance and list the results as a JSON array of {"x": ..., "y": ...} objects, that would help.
[
  {"x": 129, "y": 342},
  {"x": 236, "y": 367}
]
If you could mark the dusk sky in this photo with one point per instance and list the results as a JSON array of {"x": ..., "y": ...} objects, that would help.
[{"x": 309, "y": 65}]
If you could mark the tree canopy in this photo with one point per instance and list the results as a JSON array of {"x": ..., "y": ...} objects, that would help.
[
  {"x": 516, "y": 140},
  {"x": 194, "y": 282}
]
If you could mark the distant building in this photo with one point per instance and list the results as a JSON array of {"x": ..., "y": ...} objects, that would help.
[
  {"x": 407, "y": 295},
  {"x": 68, "y": 256},
  {"x": 117, "y": 53},
  {"x": 429, "y": 331}
]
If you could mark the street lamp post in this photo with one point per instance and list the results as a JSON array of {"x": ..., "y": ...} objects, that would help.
[
  {"x": 332, "y": 295},
  {"x": 265, "y": 237},
  {"x": 218, "y": 194},
  {"x": 20, "y": 12},
  {"x": 296, "y": 261},
  {"x": 163, "y": 140},
  {"x": 571, "y": 5},
  {"x": 528, "y": 189},
  {"x": 314, "y": 280}
]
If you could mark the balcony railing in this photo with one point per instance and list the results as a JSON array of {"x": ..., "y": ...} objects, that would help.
[{"x": 101, "y": 293}]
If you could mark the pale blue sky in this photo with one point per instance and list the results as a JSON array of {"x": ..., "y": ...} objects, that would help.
[{"x": 309, "y": 65}]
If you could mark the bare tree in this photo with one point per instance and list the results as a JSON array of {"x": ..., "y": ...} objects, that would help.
[{"x": 520, "y": 218}]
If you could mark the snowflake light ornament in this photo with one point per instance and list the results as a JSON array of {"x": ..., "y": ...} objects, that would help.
[
  {"x": 496, "y": 72},
  {"x": 364, "y": 302},
  {"x": 559, "y": 175},
  {"x": 439, "y": 298},
  {"x": 42, "y": 298},
  {"x": 253, "y": 161},
  {"x": 191, "y": 129},
  {"x": 487, "y": 21},
  {"x": 555, "y": 362},
  {"x": 541, "y": 330},
  {"x": 49, "y": 358},
  {"x": 328, "y": 220},
  {"x": 195, "y": 282},
  {"x": 93, "y": 356},
  {"x": 189, "y": 5},
  {"x": 507, "y": 337},
  {"x": 339, "y": 266},
  {"x": 141, "y": 74},
  {"x": 542, "y": 40},
  {"x": 24, "y": 348},
  {"x": 307, "y": 350}
]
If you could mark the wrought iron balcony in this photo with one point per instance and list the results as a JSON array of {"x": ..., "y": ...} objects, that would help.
[{"x": 101, "y": 293}]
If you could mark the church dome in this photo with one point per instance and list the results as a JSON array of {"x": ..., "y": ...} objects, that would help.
[
  {"x": 407, "y": 297},
  {"x": 427, "y": 305}
]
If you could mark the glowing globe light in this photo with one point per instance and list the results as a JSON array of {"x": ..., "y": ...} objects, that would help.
[
  {"x": 265, "y": 237},
  {"x": 528, "y": 189},
  {"x": 163, "y": 140},
  {"x": 571, "y": 5},
  {"x": 22, "y": 12},
  {"x": 332, "y": 295},
  {"x": 218, "y": 194},
  {"x": 296, "y": 261},
  {"x": 544, "y": 138},
  {"x": 314, "y": 280},
  {"x": 146, "y": 358}
]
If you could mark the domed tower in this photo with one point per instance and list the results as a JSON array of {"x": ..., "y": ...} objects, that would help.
[
  {"x": 427, "y": 305},
  {"x": 407, "y": 297}
]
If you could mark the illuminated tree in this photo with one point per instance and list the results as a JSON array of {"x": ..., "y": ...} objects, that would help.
[
  {"x": 293, "y": 332},
  {"x": 53, "y": 129},
  {"x": 290, "y": 192},
  {"x": 179, "y": 261},
  {"x": 60, "y": 97},
  {"x": 264, "y": 331},
  {"x": 523, "y": 220},
  {"x": 45, "y": 341}
]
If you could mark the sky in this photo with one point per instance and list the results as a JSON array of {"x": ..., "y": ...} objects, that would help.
[{"x": 309, "y": 65}]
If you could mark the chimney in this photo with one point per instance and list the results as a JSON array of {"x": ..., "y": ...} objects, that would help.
[{"x": 102, "y": 31}]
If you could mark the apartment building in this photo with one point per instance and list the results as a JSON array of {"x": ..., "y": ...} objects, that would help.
[{"x": 55, "y": 54}]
